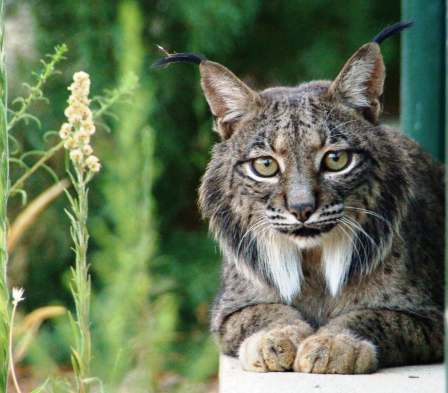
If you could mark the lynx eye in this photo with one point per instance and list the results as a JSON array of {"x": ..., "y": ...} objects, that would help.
[
  {"x": 336, "y": 161},
  {"x": 264, "y": 166}
]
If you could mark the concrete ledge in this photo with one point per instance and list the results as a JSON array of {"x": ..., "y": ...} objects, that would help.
[{"x": 412, "y": 379}]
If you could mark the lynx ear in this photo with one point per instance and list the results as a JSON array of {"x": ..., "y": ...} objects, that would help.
[
  {"x": 361, "y": 80},
  {"x": 228, "y": 97}
]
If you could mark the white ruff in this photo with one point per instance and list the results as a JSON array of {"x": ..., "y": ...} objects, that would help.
[
  {"x": 336, "y": 257},
  {"x": 281, "y": 260}
]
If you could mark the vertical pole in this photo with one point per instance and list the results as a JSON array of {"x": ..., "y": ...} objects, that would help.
[
  {"x": 423, "y": 74},
  {"x": 4, "y": 186},
  {"x": 446, "y": 193},
  {"x": 424, "y": 85}
]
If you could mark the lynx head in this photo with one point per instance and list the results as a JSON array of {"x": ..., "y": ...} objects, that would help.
[{"x": 302, "y": 167}]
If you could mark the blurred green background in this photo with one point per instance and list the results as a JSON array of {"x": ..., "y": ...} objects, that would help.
[{"x": 155, "y": 269}]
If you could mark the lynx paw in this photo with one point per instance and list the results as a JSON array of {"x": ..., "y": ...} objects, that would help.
[
  {"x": 335, "y": 354},
  {"x": 273, "y": 350}
]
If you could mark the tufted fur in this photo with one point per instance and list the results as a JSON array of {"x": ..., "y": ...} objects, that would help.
[
  {"x": 360, "y": 284},
  {"x": 369, "y": 272}
]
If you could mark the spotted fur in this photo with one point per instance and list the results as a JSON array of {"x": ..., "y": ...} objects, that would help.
[{"x": 360, "y": 282}]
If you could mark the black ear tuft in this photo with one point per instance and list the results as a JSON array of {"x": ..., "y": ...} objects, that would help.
[
  {"x": 179, "y": 58},
  {"x": 391, "y": 30}
]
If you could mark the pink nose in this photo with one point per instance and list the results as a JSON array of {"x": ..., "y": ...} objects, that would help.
[{"x": 302, "y": 211}]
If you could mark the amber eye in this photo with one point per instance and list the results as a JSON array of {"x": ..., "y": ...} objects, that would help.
[
  {"x": 264, "y": 166},
  {"x": 335, "y": 161}
]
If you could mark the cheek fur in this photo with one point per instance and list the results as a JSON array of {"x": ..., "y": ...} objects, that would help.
[{"x": 345, "y": 184}]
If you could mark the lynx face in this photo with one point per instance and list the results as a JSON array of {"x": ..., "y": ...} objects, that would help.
[
  {"x": 298, "y": 164},
  {"x": 301, "y": 172}
]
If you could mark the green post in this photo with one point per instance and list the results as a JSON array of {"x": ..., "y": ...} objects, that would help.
[
  {"x": 446, "y": 193},
  {"x": 423, "y": 74}
]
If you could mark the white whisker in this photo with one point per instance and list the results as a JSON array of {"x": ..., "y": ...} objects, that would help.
[
  {"x": 348, "y": 227},
  {"x": 252, "y": 228},
  {"x": 370, "y": 212},
  {"x": 360, "y": 229}
]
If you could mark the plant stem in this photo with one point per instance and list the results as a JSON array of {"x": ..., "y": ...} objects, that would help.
[
  {"x": 48, "y": 154},
  {"x": 114, "y": 97},
  {"x": 36, "y": 90},
  {"x": 128, "y": 85},
  {"x": 11, "y": 356},
  {"x": 4, "y": 183},
  {"x": 81, "y": 286}
]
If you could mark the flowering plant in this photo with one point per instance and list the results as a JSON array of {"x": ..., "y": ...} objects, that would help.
[
  {"x": 77, "y": 131},
  {"x": 76, "y": 135}
]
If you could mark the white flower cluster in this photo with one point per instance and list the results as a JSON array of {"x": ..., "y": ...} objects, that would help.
[
  {"x": 17, "y": 295},
  {"x": 77, "y": 131}
]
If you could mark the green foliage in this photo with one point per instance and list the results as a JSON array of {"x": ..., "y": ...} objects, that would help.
[
  {"x": 126, "y": 233},
  {"x": 35, "y": 92},
  {"x": 213, "y": 24}
]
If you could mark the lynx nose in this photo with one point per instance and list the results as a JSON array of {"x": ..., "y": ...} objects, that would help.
[{"x": 302, "y": 211}]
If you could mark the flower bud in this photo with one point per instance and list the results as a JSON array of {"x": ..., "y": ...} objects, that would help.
[
  {"x": 65, "y": 131},
  {"x": 70, "y": 143},
  {"x": 76, "y": 156},
  {"x": 87, "y": 150}
]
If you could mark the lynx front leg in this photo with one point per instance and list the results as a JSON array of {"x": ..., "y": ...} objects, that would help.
[
  {"x": 361, "y": 341},
  {"x": 265, "y": 336}
]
